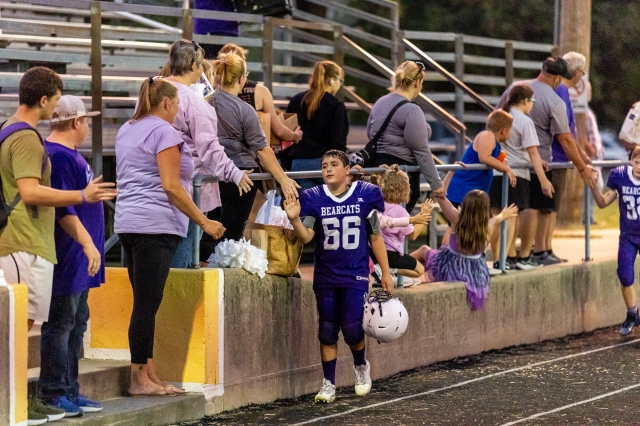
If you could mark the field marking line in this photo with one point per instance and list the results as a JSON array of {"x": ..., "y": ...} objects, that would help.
[
  {"x": 467, "y": 382},
  {"x": 575, "y": 404}
]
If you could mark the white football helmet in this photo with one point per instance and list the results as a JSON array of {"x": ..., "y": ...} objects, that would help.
[{"x": 385, "y": 317}]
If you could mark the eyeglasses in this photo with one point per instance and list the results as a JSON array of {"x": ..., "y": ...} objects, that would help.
[
  {"x": 341, "y": 80},
  {"x": 196, "y": 46},
  {"x": 196, "y": 49},
  {"x": 246, "y": 73},
  {"x": 532, "y": 99},
  {"x": 420, "y": 65}
]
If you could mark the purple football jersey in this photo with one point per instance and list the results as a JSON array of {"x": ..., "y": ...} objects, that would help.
[
  {"x": 628, "y": 188},
  {"x": 342, "y": 243}
]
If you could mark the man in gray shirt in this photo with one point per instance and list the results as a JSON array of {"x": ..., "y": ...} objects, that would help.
[{"x": 549, "y": 115}]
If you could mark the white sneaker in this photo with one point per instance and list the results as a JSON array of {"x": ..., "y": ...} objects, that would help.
[
  {"x": 363, "y": 379},
  {"x": 406, "y": 281},
  {"x": 523, "y": 265},
  {"x": 327, "y": 392},
  {"x": 493, "y": 272}
]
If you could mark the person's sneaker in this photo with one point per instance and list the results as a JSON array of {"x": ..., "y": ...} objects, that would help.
[
  {"x": 406, "y": 281},
  {"x": 87, "y": 405},
  {"x": 509, "y": 265},
  {"x": 544, "y": 259},
  {"x": 363, "y": 379},
  {"x": 327, "y": 392},
  {"x": 50, "y": 412},
  {"x": 554, "y": 257},
  {"x": 628, "y": 324},
  {"x": 70, "y": 409},
  {"x": 525, "y": 264},
  {"x": 35, "y": 418},
  {"x": 493, "y": 272}
]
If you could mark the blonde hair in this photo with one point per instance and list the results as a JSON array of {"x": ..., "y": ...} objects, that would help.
[
  {"x": 499, "y": 120},
  {"x": 227, "y": 69},
  {"x": 233, "y": 48},
  {"x": 635, "y": 152},
  {"x": 472, "y": 228},
  {"x": 395, "y": 185},
  {"x": 152, "y": 93},
  {"x": 323, "y": 71},
  {"x": 166, "y": 70},
  {"x": 406, "y": 74}
]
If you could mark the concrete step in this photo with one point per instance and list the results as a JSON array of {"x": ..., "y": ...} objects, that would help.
[
  {"x": 167, "y": 410},
  {"x": 99, "y": 379}
]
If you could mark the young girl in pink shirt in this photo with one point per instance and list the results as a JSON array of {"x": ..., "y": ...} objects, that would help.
[{"x": 397, "y": 224}]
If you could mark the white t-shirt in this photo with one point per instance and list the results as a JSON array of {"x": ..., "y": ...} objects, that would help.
[{"x": 523, "y": 136}]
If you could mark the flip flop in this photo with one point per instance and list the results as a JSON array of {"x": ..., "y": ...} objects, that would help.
[
  {"x": 171, "y": 388},
  {"x": 157, "y": 392}
]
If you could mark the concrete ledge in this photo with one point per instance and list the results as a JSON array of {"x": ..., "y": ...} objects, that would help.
[
  {"x": 13, "y": 355},
  {"x": 271, "y": 348}
]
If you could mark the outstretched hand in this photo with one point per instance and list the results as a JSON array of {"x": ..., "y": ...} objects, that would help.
[
  {"x": 509, "y": 212},
  {"x": 97, "y": 190},
  {"x": 292, "y": 208}
]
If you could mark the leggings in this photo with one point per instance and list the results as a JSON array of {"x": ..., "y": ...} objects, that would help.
[
  {"x": 233, "y": 213},
  {"x": 148, "y": 257}
]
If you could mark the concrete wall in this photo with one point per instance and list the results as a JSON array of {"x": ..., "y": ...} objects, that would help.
[
  {"x": 268, "y": 327},
  {"x": 13, "y": 355},
  {"x": 271, "y": 349}
]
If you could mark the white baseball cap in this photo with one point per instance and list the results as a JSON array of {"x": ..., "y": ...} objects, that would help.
[{"x": 70, "y": 107}]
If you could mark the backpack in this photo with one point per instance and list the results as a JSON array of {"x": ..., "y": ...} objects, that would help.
[
  {"x": 5, "y": 209},
  {"x": 366, "y": 155}
]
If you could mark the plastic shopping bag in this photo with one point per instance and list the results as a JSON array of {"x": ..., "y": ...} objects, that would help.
[
  {"x": 264, "y": 214},
  {"x": 630, "y": 131}
]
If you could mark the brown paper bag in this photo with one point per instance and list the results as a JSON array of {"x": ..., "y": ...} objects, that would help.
[{"x": 283, "y": 248}]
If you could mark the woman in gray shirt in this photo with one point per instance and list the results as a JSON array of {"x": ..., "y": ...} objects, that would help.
[
  {"x": 405, "y": 141},
  {"x": 246, "y": 143}
]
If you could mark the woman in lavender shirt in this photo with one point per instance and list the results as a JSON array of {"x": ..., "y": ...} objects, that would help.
[
  {"x": 197, "y": 124},
  {"x": 154, "y": 168}
]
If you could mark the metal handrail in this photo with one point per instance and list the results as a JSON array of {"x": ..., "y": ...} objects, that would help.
[
  {"x": 199, "y": 179},
  {"x": 446, "y": 74}
]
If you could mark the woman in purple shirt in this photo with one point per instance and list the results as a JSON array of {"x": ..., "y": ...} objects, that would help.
[{"x": 154, "y": 168}]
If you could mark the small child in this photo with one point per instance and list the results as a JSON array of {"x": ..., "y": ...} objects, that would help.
[
  {"x": 395, "y": 190},
  {"x": 624, "y": 182},
  {"x": 463, "y": 260}
]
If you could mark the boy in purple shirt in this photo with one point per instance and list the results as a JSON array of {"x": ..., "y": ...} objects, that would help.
[
  {"x": 344, "y": 218},
  {"x": 624, "y": 182},
  {"x": 79, "y": 237}
]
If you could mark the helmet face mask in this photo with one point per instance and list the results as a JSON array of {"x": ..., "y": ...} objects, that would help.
[{"x": 385, "y": 317}]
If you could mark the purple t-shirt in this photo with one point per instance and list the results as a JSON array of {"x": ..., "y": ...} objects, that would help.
[
  {"x": 70, "y": 172},
  {"x": 557, "y": 152},
  {"x": 342, "y": 243},
  {"x": 622, "y": 181},
  {"x": 143, "y": 207}
]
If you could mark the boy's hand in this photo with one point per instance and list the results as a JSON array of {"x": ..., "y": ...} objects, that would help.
[
  {"x": 93, "y": 257},
  {"x": 292, "y": 208},
  {"x": 97, "y": 190},
  {"x": 387, "y": 282}
]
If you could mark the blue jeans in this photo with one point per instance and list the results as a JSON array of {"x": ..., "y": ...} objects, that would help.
[
  {"x": 182, "y": 258},
  {"x": 305, "y": 165},
  {"x": 61, "y": 346}
]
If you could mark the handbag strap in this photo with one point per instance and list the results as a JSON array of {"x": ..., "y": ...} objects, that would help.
[
  {"x": 225, "y": 126},
  {"x": 387, "y": 120}
]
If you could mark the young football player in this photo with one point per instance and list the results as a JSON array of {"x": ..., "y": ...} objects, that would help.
[
  {"x": 624, "y": 182},
  {"x": 344, "y": 217}
]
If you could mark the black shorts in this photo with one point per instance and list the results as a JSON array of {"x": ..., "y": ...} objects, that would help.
[
  {"x": 518, "y": 195},
  {"x": 537, "y": 200},
  {"x": 398, "y": 261}
]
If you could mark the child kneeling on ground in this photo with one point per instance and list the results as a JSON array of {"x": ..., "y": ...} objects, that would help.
[{"x": 344, "y": 217}]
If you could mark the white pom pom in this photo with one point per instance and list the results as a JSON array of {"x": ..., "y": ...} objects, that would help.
[{"x": 239, "y": 254}]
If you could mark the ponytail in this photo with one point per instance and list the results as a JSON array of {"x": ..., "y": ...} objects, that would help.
[
  {"x": 322, "y": 72},
  {"x": 153, "y": 91},
  {"x": 227, "y": 69}
]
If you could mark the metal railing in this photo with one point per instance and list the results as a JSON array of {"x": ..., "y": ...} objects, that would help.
[{"x": 199, "y": 179}]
